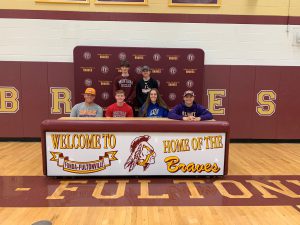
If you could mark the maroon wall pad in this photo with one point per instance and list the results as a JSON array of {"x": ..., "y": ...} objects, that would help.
[
  {"x": 60, "y": 75},
  {"x": 175, "y": 69},
  {"x": 241, "y": 101},
  {"x": 267, "y": 78},
  {"x": 11, "y": 123},
  {"x": 34, "y": 96},
  {"x": 289, "y": 107},
  {"x": 217, "y": 77}
]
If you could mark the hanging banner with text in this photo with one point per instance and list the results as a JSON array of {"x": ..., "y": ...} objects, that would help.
[
  {"x": 132, "y": 154},
  {"x": 195, "y": 3}
]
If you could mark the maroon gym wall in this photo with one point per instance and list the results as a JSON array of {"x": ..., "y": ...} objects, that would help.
[
  {"x": 33, "y": 81},
  {"x": 242, "y": 83}
]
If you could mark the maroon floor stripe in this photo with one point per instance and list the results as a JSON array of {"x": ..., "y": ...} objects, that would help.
[
  {"x": 297, "y": 208},
  {"x": 39, "y": 191}
]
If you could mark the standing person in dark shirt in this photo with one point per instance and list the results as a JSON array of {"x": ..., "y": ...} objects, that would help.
[
  {"x": 189, "y": 110},
  {"x": 144, "y": 86},
  {"x": 126, "y": 83}
]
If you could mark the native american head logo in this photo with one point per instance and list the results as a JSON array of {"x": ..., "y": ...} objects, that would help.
[{"x": 142, "y": 153}]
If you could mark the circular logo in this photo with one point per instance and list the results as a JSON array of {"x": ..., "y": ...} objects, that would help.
[
  {"x": 158, "y": 83},
  {"x": 156, "y": 57},
  {"x": 88, "y": 82},
  {"x": 173, "y": 70},
  {"x": 105, "y": 96},
  {"x": 138, "y": 70},
  {"x": 191, "y": 57},
  {"x": 104, "y": 69},
  {"x": 122, "y": 55},
  {"x": 172, "y": 96},
  {"x": 190, "y": 83},
  {"x": 87, "y": 55}
]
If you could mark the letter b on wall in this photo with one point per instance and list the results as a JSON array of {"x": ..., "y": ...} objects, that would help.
[{"x": 9, "y": 100}]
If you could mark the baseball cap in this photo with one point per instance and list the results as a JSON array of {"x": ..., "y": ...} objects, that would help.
[
  {"x": 90, "y": 91},
  {"x": 145, "y": 68},
  {"x": 125, "y": 64},
  {"x": 188, "y": 92}
]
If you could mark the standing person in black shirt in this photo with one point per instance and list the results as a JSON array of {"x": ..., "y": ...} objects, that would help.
[{"x": 144, "y": 86}]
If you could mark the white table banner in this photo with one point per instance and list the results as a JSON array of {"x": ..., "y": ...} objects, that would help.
[{"x": 132, "y": 153}]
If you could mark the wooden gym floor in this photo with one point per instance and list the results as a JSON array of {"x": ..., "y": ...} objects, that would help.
[{"x": 263, "y": 187}]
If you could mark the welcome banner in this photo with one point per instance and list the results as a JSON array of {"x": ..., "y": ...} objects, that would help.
[{"x": 127, "y": 154}]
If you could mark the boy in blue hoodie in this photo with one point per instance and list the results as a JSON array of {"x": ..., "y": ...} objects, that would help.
[{"x": 189, "y": 110}]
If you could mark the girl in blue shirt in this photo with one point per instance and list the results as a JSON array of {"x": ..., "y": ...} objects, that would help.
[{"x": 154, "y": 106}]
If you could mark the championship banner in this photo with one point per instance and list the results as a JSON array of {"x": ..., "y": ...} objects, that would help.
[
  {"x": 122, "y": 2},
  {"x": 132, "y": 154},
  {"x": 176, "y": 70},
  {"x": 64, "y": 1},
  {"x": 195, "y": 2}
]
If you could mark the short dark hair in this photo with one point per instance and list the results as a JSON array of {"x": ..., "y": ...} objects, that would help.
[{"x": 125, "y": 64}]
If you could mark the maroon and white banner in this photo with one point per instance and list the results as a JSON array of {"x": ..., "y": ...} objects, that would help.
[
  {"x": 134, "y": 2},
  {"x": 135, "y": 153},
  {"x": 65, "y": 1},
  {"x": 176, "y": 70},
  {"x": 195, "y": 2}
]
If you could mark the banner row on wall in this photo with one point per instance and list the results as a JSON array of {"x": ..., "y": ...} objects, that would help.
[{"x": 137, "y": 2}]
